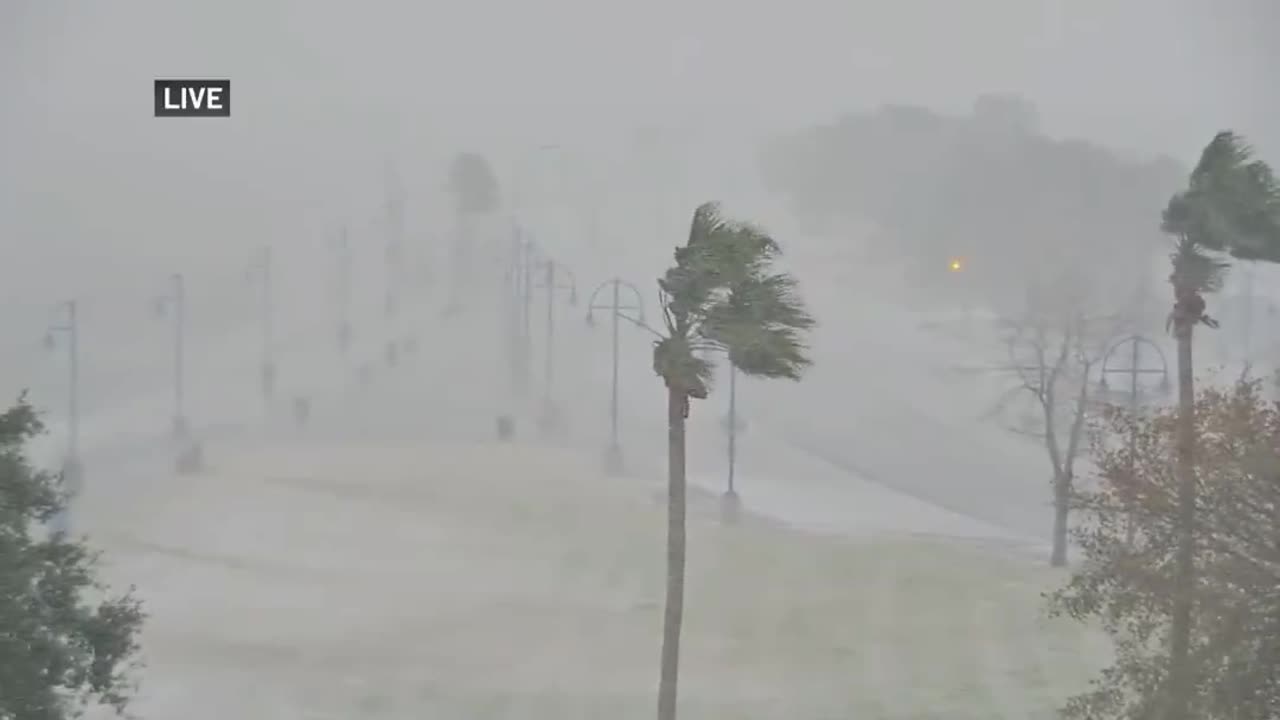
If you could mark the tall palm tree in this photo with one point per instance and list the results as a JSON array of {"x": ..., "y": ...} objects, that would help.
[
  {"x": 1230, "y": 209},
  {"x": 723, "y": 294},
  {"x": 475, "y": 189}
]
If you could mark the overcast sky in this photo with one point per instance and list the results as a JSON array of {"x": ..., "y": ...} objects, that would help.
[{"x": 323, "y": 90}]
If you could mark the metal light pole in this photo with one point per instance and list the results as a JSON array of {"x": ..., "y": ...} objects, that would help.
[
  {"x": 730, "y": 501},
  {"x": 72, "y": 468},
  {"x": 733, "y": 426},
  {"x": 262, "y": 268},
  {"x": 176, "y": 301},
  {"x": 519, "y": 289},
  {"x": 1135, "y": 368},
  {"x": 394, "y": 250},
  {"x": 525, "y": 270},
  {"x": 613, "y": 455},
  {"x": 342, "y": 246},
  {"x": 550, "y": 417}
]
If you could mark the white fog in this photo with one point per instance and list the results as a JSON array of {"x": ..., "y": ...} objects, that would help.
[{"x": 968, "y": 197}]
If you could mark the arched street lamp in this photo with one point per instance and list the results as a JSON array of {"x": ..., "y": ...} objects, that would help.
[{"x": 617, "y": 311}]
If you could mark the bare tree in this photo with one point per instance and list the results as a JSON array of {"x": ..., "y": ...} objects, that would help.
[{"x": 1053, "y": 348}]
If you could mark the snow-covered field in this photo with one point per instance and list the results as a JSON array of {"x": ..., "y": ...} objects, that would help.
[
  {"x": 482, "y": 581},
  {"x": 386, "y": 562}
]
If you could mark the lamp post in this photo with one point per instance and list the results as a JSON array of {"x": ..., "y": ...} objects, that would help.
[
  {"x": 550, "y": 417},
  {"x": 520, "y": 286},
  {"x": 1135, "y": 369},
  {"x": 72, "y": 468},
  {"x": 342, "y": 247},
  {"x": 260, "y": 270},
  {"x": 176, "y": 301},
  {"x": 731, "y": 492},
  {"x": 394, "y": 250},
  {"x": 730, "y": 501},
  {"x": 617, "y": 310}
]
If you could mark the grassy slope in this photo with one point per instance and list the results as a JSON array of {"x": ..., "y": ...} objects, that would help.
[{"x": 512, "y": 582}]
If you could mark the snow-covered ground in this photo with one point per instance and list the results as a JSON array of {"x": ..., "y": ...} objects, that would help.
[
  {"x": 301, "y": 578},
  {"x": 278, "y": 579}
]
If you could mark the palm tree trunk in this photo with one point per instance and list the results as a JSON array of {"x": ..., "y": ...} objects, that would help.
[
  {"x": 1180, "y": 673},
  {"x": 673, "y": 616},
  {"x": 1061, "y": 506},
  {"x": 460, "y": 272}
]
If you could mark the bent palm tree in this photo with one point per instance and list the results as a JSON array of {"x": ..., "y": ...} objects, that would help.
[
  {"x": 1231, "y": 207},
  {"x": 722, "y": 294}
]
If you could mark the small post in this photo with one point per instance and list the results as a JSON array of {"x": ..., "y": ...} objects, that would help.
[
  {"x": 733, "y": 422},
  {"x": 526, "y": 314},
  {"x": 344, "y": 292},
  {"x": 548, "y": 350},
  {"x": 73, "y": 410},
  {"x": 179, "y": 356},
  {"x": 268, "y": 329},
  {"x": 613, "y": 380},
  {"x": 72, "y": 468}
]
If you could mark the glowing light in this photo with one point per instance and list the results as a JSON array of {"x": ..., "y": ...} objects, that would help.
[{"x": 955, "y": 265}]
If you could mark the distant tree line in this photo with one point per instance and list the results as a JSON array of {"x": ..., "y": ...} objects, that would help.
[{"x": 989, "y": 186}]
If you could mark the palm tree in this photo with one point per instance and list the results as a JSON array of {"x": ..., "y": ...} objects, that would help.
[
  {"x": 1230, "y": 209},
  {"x": 722, "y": 294},
  {"x": 475, "y": 189}
]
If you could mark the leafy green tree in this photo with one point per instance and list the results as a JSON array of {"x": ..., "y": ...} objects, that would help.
[
  {"x": 723, "y": 294},
  {"x": 1229, "y": 209},
  {"x": 1131, "y": 539},
  {"x": 64, "y": 643}
]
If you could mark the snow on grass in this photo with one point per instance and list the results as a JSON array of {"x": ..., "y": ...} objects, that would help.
[{"x": 496, "y": 582}]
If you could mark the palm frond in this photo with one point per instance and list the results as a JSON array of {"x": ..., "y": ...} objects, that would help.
[
  {"x": 1231, "y": 204},
  {"x": 721, "y": 294},
  {"x": 675, "y": 361},
  {"x": 1196, "y": 268},
  {"x": 762, "y": 321},
  {"x": 772, "y": 352},
  {"x": 719, "y": 252}
]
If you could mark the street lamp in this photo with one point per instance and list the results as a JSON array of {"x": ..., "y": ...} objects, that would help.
[
  {"x": 260, "y": 271},
  {"x": 176, "y": 301},
  {"x": 342, "y": 247},
  {"x": 613, "y": 455},
  {"x": 1135, "y": 368},
  {"x": 394, "y": 251},
  {"x": 731, "y": 502},
  {"x": 72, "y": 468},
  {"x": 520, "y": 300},
  {"x": 550, "y": 418}
]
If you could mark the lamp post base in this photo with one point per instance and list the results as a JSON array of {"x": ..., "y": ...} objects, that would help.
[
  {"x": 551, "y": 419},
  {"x": 730, "y": 507},
  {"x": 268, "y": 380},
  {"x": 613, "y": 463},
  {"x": 72, "y": 483},
  {"x": 301, "y": 411},
  {"x": 180, "y": 428},
  {"x": 190, "y": 458},
  {"x": 506, "y": 427}
]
